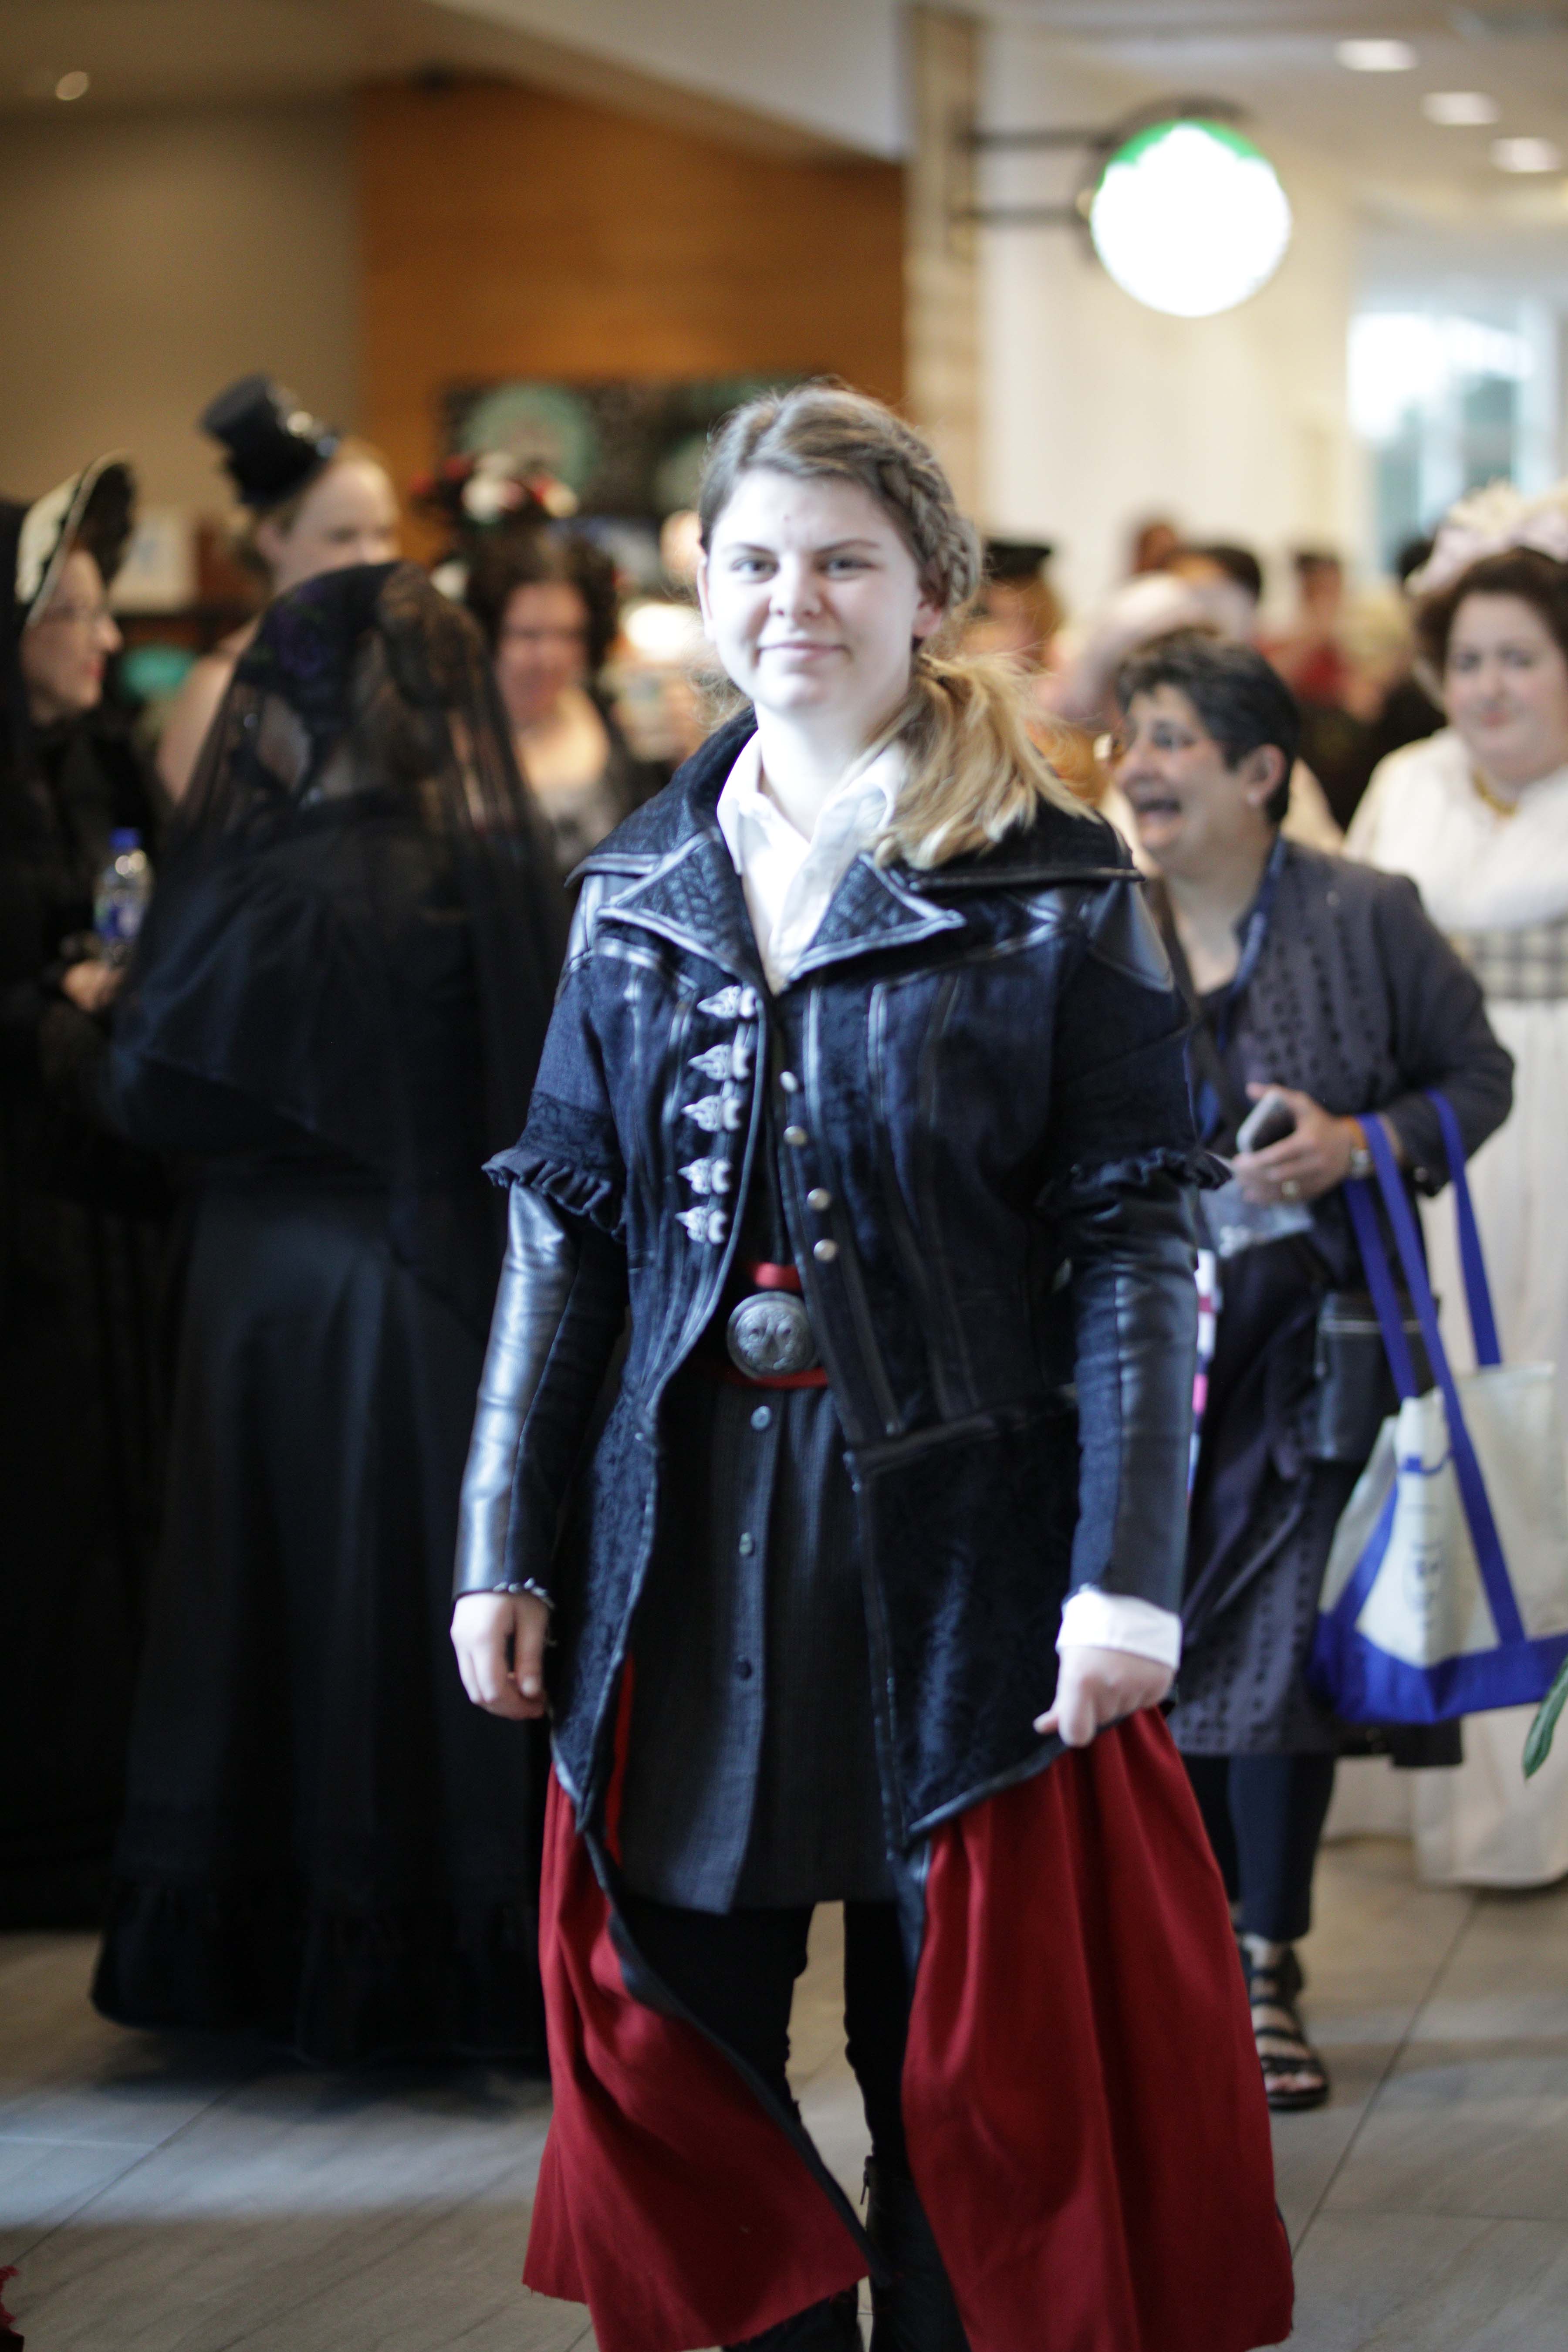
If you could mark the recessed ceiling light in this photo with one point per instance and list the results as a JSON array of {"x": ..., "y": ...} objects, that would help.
[
  {"x": 1526, "y": 155},
  {"x": 1375, "y": 57},
  {"x": 1457, "y": 110},
  {"x": 73, "y": 85}
]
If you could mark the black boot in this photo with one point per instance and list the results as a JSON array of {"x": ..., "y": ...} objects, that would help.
[
  {"x": 830, "y": 2327},
  {"x": 916, "y": 2311}
]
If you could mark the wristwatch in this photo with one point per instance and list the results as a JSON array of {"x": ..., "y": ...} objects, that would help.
[{"x": 1361, "y": 1165}]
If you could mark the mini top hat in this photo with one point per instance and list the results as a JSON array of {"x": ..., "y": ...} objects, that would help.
[
  {"x": 1016, "y": 559},
  {"x": 91, "y": 510},
  {"x": 274, "y": 445}
]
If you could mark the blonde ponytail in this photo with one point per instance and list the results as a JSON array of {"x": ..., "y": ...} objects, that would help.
[
  {"x": 976, "y": 768},
  {"x": 976, "y": 771}
]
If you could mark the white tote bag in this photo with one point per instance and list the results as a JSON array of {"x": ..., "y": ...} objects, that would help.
[{"x": 1446, "y": 1586}]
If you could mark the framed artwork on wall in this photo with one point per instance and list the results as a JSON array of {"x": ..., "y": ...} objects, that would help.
[{"x": 628, "y": 449}]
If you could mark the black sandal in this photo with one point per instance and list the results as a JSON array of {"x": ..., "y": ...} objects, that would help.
[{"x": 1294, "y": 2076}]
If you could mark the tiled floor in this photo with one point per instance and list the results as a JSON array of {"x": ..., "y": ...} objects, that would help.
[{"x": 161, "y": 2199}]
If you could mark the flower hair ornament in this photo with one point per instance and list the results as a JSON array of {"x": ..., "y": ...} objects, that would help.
[
  {"x": 473, "y": 492},
  {"x": 1488, "y": 522}
]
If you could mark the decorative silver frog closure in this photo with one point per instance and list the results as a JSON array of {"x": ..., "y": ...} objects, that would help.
[
  {"x": 705, "y": 1225},
  {"x": 719, "y": 1114},
  {"x": 708, "y": 1175},
  {"x": 714, "y": 1112},
  {"x": 732, "y": 1003}
]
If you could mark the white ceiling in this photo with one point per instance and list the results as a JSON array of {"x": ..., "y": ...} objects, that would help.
[
  {"x": 732, "y": 66},
  {"x": 142, "y": 53},
  {"x": 1277, "y": 57}
]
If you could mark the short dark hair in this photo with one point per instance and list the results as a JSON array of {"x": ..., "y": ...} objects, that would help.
[
  {"x": 1243, "y": 701},
  {"x": 1237, "y": 563},
  {"x": 529, "y": 555},
  {"x": 1523, "y": 571},
  {"x": 1413, "y": 553}
]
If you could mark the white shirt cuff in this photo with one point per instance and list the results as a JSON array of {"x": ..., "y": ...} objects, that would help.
[{"x": 1116, "y": 1620}]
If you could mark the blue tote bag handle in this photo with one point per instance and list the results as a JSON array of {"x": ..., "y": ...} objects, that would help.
[
  {"x": 1472, "y": 1488},
  {"x": 1478, "y": 1290},
  {"x": 1380, "y": 1282}
]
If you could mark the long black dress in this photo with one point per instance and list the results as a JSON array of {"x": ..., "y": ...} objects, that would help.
[
  {"x": 342, "y": 992},
  {"x": 83, "y": 1222}
]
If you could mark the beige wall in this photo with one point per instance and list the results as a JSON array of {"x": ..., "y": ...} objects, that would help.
[
  {"x": 145, "y": 259},
  {"x": 1098, "y": 410},
  {"x": 515, "y": 232}
]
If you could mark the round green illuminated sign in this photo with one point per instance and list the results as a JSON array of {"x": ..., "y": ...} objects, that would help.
[{"x": 1189, "y": 217}]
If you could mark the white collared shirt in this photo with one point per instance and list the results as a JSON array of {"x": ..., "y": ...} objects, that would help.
[{"x": 789, "y": 882}]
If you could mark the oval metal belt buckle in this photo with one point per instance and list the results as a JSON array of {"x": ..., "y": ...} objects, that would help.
[{"x": 770, "y": 1333}]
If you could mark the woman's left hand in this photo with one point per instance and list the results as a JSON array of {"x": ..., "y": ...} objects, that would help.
[
  {"x": 1097, "y": 1687},
  {"x": 92, "y": 986},
  {"x": 1308, "y": 1161}
]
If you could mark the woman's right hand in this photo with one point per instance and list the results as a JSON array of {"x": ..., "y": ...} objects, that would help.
[
  {"x": 1305, "y": 1164},
  {"x": 499, "y": 1641}
]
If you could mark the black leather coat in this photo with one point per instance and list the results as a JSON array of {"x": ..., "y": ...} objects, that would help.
[{"x": 986, "y": 1166}]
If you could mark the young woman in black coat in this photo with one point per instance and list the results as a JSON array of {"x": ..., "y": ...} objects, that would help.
[
  {"x": 864, "y": 1092},
  {"x": 1326, "y": 982}
]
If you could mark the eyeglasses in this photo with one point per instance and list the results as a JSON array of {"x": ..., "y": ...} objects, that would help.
[
  {"x": 78, "y": 616},
  {"x": 534, "y": 638}
]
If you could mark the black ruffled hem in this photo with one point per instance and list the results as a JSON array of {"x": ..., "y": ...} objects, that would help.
[
  {"x": 576, "y": 1190},
  {"x": 570, "y": 1154},
  {"x": 1139, "y": 1173},
  {"x": 418, "y": 1979}
]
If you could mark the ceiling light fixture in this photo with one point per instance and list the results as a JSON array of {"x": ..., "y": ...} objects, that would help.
[
  {"x": 73, "y": 85},
  {"x": 1374, "y": 57},
  {"x": 1526, "y": 155},
  {"x": 1189, "y": 217},
  {"x": 1184, "y": 213},
  {"x": 1459, "y": 110}
]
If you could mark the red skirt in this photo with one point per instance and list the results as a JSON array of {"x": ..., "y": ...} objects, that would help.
[{"x": 1082, "y": 2102}]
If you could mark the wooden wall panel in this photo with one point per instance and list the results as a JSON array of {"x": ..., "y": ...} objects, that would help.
[{"x": 513, "y": 232}]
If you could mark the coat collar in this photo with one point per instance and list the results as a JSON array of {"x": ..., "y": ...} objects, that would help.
[
  {"x": 690, "y": 893},
  {"x": 693, "y": 897},
  {"x": 685, "y": 886},
  {"x": 873, "y": 909}
]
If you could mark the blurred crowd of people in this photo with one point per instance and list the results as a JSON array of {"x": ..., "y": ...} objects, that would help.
[
  {"x": 248, "y": 1257},
  {"x": 1349, "y": 659}
]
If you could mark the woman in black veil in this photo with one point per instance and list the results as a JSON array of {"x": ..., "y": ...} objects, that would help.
[
  {"x": 336, "y": 1008},
  {"x": 82, "y": 1218}
]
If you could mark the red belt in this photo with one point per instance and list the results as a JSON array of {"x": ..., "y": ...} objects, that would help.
[{"x": 763, "y": 1277}]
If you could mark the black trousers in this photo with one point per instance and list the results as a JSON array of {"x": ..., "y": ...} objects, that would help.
[
  {"x": 1265, "y": 1815},
  {"x": 736, "y": 1970}
]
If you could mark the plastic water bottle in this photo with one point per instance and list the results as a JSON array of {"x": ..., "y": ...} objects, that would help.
[{"x": 120, "y": 900}]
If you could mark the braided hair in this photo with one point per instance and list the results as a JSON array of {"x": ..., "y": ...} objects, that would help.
[{"x": 976, "y": 768}]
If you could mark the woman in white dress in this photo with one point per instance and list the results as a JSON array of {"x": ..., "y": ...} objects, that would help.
[{"x": 1477, "y": 815}]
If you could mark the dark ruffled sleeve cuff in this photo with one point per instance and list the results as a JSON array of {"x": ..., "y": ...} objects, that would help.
[
  {"x": 1139, "y": 1172},
  {"x": 572, "y": 1157}
]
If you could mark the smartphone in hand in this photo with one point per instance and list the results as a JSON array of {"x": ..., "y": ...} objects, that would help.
[{"x": 1270, "y": 1120}]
